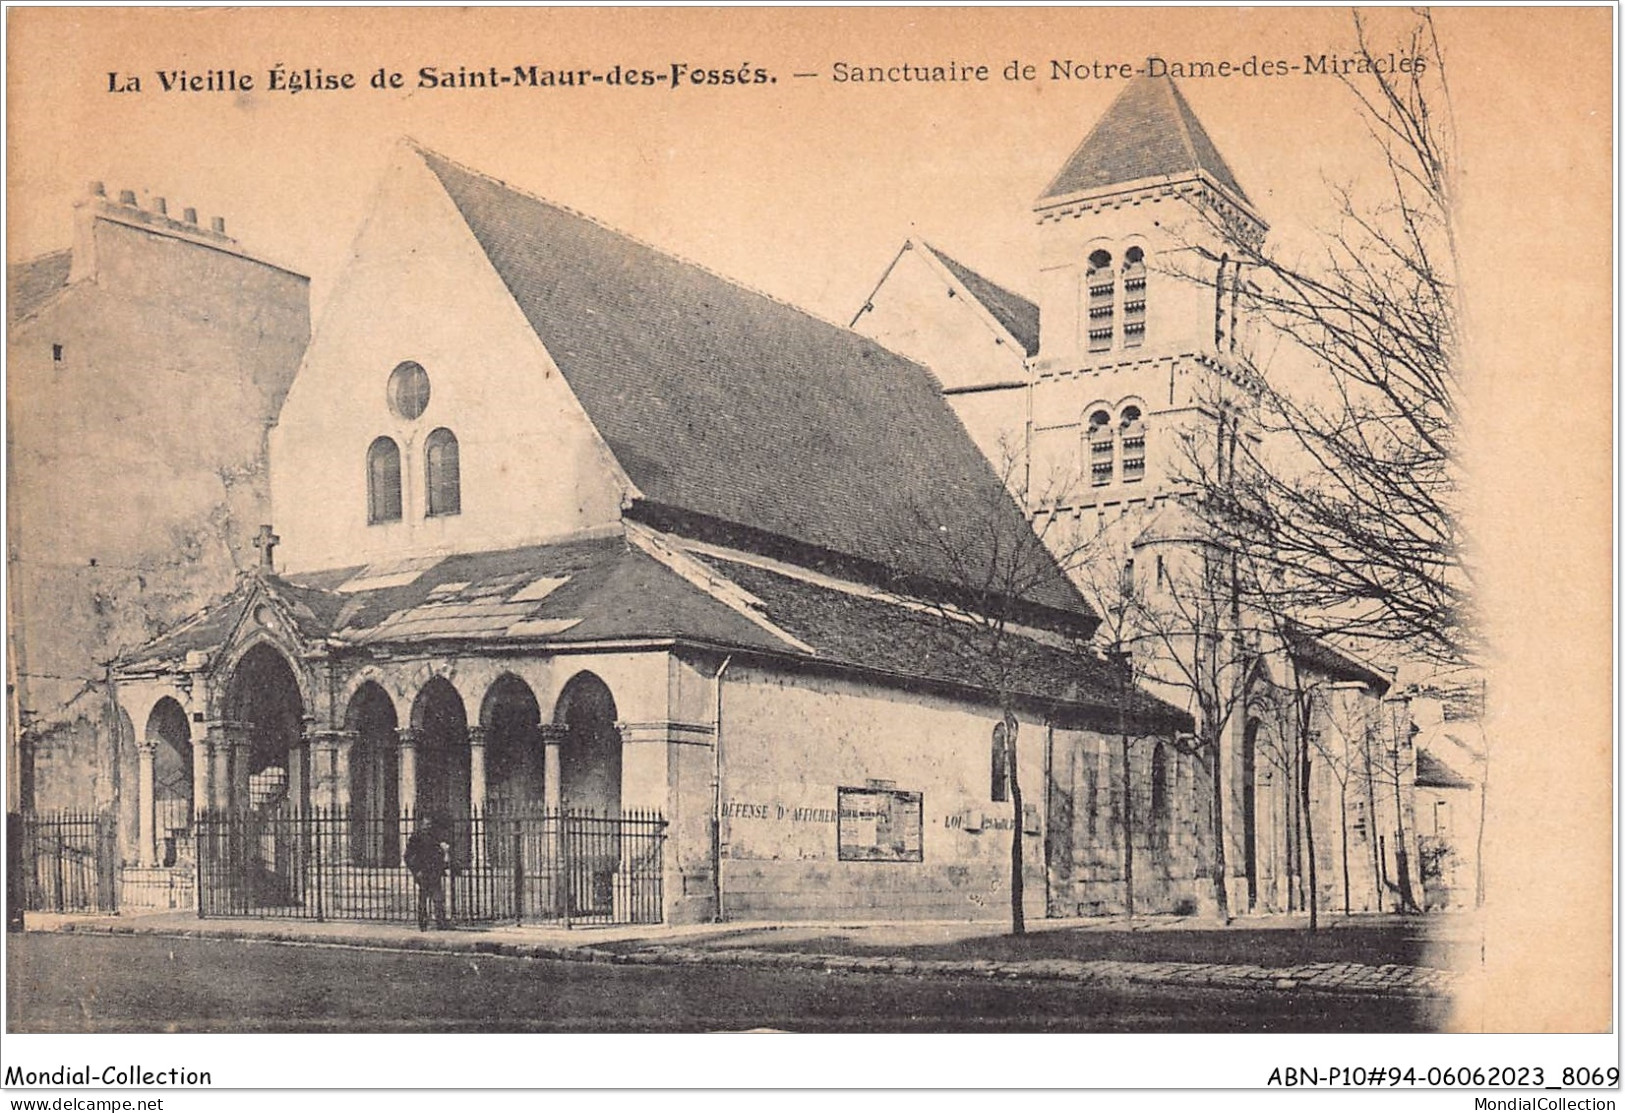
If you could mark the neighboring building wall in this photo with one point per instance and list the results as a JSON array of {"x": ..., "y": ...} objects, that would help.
[
  {"x": 419, "y": 288},
  {"x": 139, "y": 399}
]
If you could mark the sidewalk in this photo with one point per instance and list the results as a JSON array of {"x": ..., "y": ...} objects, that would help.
[{"x": 1255, "y": 955}]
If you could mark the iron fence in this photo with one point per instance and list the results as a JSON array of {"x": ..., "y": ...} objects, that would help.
[
  {"x": 67, "y": 861},
  {"x": 505, "y": 865}
]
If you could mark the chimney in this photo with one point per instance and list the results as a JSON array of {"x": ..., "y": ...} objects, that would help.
[
  {"x": 189, "y": 215},
  {"x": 219, "y": 225},
  {"x": 126, "y": 196},
  {"x": 98, "y": 189},
  {"x": 160, "y": 206}
]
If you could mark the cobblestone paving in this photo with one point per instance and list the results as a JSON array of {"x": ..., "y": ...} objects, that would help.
[{"x": 708, "y": 945}]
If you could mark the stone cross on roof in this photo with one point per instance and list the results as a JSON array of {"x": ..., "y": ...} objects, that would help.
[{"x": 266, "y": 541}]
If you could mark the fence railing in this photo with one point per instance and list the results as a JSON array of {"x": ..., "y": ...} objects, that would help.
[
  {"x": 505, "y": 865},
  {"x": 67, "y": 861}
]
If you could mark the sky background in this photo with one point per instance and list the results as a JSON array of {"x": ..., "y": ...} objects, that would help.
[{"x": 805, "y": 189}]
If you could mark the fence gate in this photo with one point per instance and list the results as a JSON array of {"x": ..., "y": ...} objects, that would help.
[
  {"x": 67, "y": 861},
  {"x": 510, "y": 865}
]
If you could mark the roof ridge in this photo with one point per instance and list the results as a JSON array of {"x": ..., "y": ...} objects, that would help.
[{"x": 634, "y": 238}]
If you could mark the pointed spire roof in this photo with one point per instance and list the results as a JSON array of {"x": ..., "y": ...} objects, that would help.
[{"x": 1148, "y": 132}]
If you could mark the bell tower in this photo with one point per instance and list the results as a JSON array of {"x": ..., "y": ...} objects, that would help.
[{"x": 1139, "y": 237}]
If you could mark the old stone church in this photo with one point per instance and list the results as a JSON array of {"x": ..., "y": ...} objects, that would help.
[{"x": 567, "y": 527}]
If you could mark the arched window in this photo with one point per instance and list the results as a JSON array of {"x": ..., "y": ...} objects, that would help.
[
  {"x": 1000, "y": 790},
  {"x": 1161, "y": 814},
  {"x": 1101, "y": 281},
  {"x": 1133, "y": 428},
  {"x": 1133, "y": 297},
  {"x": 443, "y": 477},
  {"x": 1100, "y": 448},
  {"x": 383, "y": 481}
]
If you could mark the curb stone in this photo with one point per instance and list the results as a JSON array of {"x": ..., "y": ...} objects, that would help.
[{"x": 1321, "y": 979}]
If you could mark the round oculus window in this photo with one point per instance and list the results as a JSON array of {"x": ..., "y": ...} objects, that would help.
[{"x": 409, "y": 390}]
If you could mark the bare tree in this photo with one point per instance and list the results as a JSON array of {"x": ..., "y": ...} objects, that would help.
[
  {"x": 997, "y": 572},
  {"x": 1192, "y": 639},
  {"x": 1354, "y": 490}
]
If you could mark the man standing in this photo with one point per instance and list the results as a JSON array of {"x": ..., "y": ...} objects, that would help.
[{"x": 428, "y": 856}]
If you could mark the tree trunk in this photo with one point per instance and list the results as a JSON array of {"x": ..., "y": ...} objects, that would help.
[
  {"x": 1309, "y": 834},
  {"x": 1343, "y": 834},
  {"x": 1221, "y": 892},
  {"x": 1402, "y": 857},
  {"x": 1018, "y": 914},
  {"x": 1128, "y": 828}
]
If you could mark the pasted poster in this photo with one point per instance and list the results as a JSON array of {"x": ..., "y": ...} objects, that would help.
[{"x": 880, "y": 825}]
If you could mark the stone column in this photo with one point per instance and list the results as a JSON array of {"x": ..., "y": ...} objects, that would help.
[
  {"x": 407, "y": 742},
  {"x": 219, "y": 734},
  {"x": 553, "y": 736},
  {"x": 146, "y": 796},
  {"x": 202, "y": 760},
  {"x": 239, "y": 767},
  {"x": 476, "y": 770},
  {"x": 327, "y": 790}
]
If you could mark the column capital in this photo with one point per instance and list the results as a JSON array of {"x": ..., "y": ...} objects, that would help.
[
  {"x": 477, "y": 735},
  {"x": 407, "y": 737},
  {"x": 554, "y": 734},
  {"x": 148, "y": 747},
  {"x": 329, "y": 739}
]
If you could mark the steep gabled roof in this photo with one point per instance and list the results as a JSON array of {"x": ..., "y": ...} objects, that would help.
[
  {"x": 1327, "y": 659},
  {"x": 1016, "y": 314},
  {"x": 727, "y": 404},
  {"x": 1148, "y": 132},
  {"x": 29, "y": 284}
]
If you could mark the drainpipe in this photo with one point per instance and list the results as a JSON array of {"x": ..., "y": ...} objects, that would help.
[{"x": 716, "y": 793}]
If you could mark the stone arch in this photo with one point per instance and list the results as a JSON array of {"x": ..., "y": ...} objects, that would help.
[
  {"x": 440, "y": 728},
  {"x": 590, "y": 760},
  {"x": 515, "y": 768},
  {"x": 378, "y": 678},
  {"x": 221, "y": 692},
  {"x": 169, "y": 734},
  {"x": 375, "y": 803},
  {"x": 265, "y": 704}
]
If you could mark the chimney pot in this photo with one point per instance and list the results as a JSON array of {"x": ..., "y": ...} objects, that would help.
[
  {"x": 98, "y": 189},
  {"x": 161, "y": 206},
  {"x": 218, "y": 224},
  {"x": 126, "y": 196},
  {"x": 189, "y": 215}
]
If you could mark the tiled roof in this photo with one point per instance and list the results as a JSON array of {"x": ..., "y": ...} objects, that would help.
[
  {"x": 1434, "y": 773},
  {"x": 29, "y": 284},
  {"x": 610, "y": 590},
  {"x": 1149, "y": 131},
  {"x": 1018, "y": 315},
  {"x": 728, "y": 404},
  {"x": 579, "y": 591},
  {"x": 877, "y": 633}
]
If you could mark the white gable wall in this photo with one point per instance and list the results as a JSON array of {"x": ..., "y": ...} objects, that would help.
[
  {"x": 418, "y": 287},
  {"x": 918, "y": 312}
]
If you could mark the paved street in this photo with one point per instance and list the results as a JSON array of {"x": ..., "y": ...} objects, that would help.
[{"x": 86, "y": 983}]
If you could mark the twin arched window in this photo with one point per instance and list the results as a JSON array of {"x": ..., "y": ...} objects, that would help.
[
  {"x": 408, "y": 395},
  {"x": 442, "y": 477},
  {"x": 1104, "y": 444},
  {"x": 1101, "y": 301}
]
